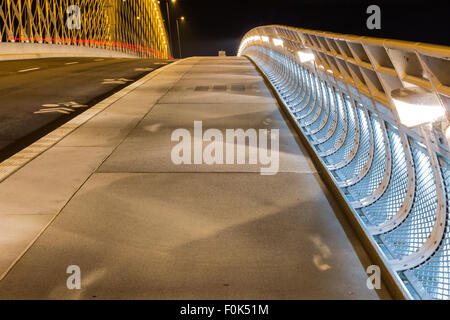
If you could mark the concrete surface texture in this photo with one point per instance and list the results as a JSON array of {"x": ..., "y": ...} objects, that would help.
[
  {"x": 108, "y": 199},
  {"x": 18, "y": 51}
]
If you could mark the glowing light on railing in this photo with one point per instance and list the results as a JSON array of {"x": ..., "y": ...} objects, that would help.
[
  {"x": 265, "y": 39},
  {"x": 278, "y": 42},
  {"x": 246, "y": 41},
  {"x": 416, "y": 106},
  {"x": 252, "y": 39},
  {"x": 330, "y": 71},
  {"x": 306, "y": 56}
]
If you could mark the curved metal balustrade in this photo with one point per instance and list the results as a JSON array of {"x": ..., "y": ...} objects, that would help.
[
  {"x": 131, "y": 26},
  {"x": 396, "y": 180}
]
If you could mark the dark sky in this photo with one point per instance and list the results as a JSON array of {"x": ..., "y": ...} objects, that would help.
[{"x": 212, "y": 25}]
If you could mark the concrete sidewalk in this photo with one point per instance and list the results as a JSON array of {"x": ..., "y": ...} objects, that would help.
[{"x": 108, "y": 199}]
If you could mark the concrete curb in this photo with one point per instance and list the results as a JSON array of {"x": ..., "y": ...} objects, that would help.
[{"x": 19, "y": 51}]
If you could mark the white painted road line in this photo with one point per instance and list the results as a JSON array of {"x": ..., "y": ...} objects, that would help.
[
  {"x": 56, "y": 110},
  {"x": 69, "y": 63},
  {"x": 116, "y": 81},
  {"x": 65, "y": 107},
  {"x": 144, "y": 69},
  {"x": 27, "y": 70}
]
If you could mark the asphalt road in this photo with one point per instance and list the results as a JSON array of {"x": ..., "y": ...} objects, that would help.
[{"x": 37, "y": 96}]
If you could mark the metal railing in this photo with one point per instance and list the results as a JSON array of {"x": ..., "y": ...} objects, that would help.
[
  {"x": 130, "y": 26},
  {"x": 396, "y": 180}
]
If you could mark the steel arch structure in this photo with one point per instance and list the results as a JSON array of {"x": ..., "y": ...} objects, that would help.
[
  {"x": 395, "y": 180},
  {"x": 130, "y": 26}
]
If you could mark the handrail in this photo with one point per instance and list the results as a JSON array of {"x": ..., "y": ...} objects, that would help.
[
  {"x": 132, "y": 27},
  {"x": 395, "y": 180}
]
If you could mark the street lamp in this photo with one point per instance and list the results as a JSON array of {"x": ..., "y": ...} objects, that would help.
[
  {"x": 169, "y": 24},
  {"x": 179, "y": 38}
]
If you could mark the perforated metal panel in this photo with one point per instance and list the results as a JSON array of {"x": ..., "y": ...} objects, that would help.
[
  {"x": 395, "y": 195},
  {"x": 434, "y": 275},
  {"x": 416, "y": 229},
  {"x": 373, "y": 179}
]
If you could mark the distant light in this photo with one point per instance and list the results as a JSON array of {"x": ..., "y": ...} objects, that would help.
[
  {"x": 278, "y": 42},
  {"x": 416, "y": 106},
  {"x": 306, "y": 56},
  {"x": 265, "y": 38},
  {"x": 330, "y": 71}
]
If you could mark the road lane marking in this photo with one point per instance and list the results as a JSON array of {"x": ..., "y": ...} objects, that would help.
[
  {"x": 116, "y": 81},
  {"x": 70, "y": 63},
  {"x": 144, "y": 69},
  {"x": 64, "y": 107},
  {"x": 55, "y": 110},
  {"x": 73, "y": 104},
  {"x": 27, "y": 70}
]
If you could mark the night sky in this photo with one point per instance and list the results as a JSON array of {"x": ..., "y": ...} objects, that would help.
[{"x": 212, "y": 25}]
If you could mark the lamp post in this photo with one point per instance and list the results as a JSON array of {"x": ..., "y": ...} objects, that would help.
[
  {"x": 179, "y": 37},
  {"x": 169, "y": 24}
]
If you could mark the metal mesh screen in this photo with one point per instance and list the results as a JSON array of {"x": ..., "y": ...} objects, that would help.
[
  {"x": 413, "y": 233},
  {"x": 434, "y": 275},
  {"x": 394, "y": 196}
]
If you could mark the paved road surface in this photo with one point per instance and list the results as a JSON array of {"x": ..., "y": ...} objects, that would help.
[{"x": 51, "y": 87}]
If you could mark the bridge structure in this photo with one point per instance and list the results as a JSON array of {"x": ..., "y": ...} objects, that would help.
[
  {"x": 362, "y": 183},
  {"x": 132, "y": 27}
]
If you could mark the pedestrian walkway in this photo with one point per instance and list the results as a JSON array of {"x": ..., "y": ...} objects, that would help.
[{"x": 109, "y": 199}]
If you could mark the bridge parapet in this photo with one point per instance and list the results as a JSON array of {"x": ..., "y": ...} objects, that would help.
[
  {"x": 342, "y": 94},
  {"x": 131, "y": 27}
]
